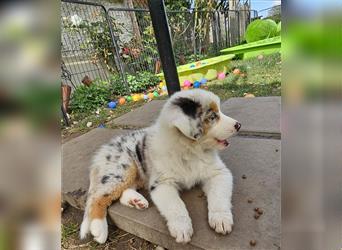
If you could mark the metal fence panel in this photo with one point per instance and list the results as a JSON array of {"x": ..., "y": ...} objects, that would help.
[
  {"x": 97, "y": 42},
  {"x": 86, "y": 45}
]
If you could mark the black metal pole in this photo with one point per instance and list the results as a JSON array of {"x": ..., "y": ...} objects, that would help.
[{"x": 162, "y": 33}]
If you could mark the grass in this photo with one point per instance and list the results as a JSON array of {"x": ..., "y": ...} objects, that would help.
[
  {"x": 259, "y": 76},
  {"x": 117, "y": 239}
]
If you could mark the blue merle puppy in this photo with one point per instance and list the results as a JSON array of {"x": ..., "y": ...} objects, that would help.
[{"x": 177, "y": 152}]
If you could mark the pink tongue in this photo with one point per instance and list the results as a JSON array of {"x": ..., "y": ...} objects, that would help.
[{"x": 224, "y": 142}]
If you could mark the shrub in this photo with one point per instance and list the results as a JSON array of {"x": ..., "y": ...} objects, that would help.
[
  {"x": 86, "y": 99},
  {"x": 118, "y": 86}
]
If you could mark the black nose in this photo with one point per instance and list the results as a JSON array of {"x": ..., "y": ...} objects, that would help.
[{"x": 237, "y": 126}]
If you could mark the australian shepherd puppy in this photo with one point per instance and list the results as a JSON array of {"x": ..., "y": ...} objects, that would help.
[{"x": 179, "y": 151}]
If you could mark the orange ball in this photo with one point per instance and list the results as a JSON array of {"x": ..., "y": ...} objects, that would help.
[
  {"x": 122, "y": 101},
  {"x": 150, "y": 95},
  {"x": 236, "y": 71},
  {"x": 186, "y": 88}
]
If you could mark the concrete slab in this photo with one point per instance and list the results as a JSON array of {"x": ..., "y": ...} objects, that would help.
[
  {"x": 76, "y": 158},
  {"x": 258, "y": 159},
  {"x": 258, "y": 116},
  {"x": 143, "y": 116}
]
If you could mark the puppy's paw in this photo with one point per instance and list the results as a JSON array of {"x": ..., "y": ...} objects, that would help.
[
  {"x": 181, "y": 229},
  {"x": 132, "y": 198},
  {"x": 221, "y": 222},
  {"x": 99, "y": 229}
]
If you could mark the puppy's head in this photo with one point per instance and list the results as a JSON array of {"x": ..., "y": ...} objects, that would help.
[{"x": 196, "y": 114}]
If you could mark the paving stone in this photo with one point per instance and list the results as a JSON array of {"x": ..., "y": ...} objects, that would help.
[
  {"x": 76, "y": 155},
  {"x": 143, "y": 116},
  {"x": 257, "y": 159},
  {"x": 259, "y": 115}
]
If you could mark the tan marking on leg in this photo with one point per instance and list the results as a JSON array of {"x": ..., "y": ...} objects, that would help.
[{"x": 98, "y": 209}]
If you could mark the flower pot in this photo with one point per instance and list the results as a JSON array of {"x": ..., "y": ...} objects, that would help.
[{"x": 66, "y": 92}]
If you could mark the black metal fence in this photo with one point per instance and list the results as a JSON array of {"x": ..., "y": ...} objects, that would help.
[{"x": 97, "y": 42}]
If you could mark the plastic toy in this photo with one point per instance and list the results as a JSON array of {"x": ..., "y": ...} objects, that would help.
[
  {"x": 187, "y": 83},
  {"x": 136, "y": 97},
  {"x": 101, "y": 126},
  {"x": 186, "y": 88},
  {"x": 164, "y": 88},
  {"x": 203, "y": 81},
  {"x": 221, "y": 76},
  {"x": 150, "y": 95},
  {"x": 155, "y": 93},
  {"x": 122, "y": 101},
  {"x": 145, "y": 97},
  {"x": 112, "y": 105},
  {"x": 214, "y": 65},
  {"x": 129, "y": 98},
  {"x": 197, "y": 84},
  {"x": 236, "y": 71}
]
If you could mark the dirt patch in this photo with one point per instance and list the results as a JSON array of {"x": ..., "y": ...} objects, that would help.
[{"x": 117, "y": 238}]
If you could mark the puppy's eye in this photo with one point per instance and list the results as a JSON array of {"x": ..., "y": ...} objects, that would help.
[{"x": 212, "y": 117}]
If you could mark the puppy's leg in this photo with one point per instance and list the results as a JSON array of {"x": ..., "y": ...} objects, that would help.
[
  {"x": 218, "y": 190},
  {"x": 131, "y": 198},
  {"x": 170, "y": 205},
  {"x": 101, "y": 194}
]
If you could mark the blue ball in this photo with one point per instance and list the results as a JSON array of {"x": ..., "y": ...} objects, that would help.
[
  {"x": 101, "y": 126},
  {"x": 197, "y": 84},
  {"x": 203, "y": 81},
  {"x": 192, "y": 66},
  {"x": 112, "y": 105}
]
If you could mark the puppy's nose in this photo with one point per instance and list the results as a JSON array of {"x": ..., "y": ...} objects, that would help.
[{"x": 237, "y": 126}]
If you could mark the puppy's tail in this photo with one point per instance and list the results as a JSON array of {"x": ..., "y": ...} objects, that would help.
[{"x": 85, "y": 226}]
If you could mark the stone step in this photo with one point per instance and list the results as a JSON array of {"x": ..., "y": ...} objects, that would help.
[
  {"x": 257, "y": 159},
  {"x": 259, "y": 116}
]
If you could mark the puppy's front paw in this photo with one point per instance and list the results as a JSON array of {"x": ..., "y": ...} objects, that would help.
[
  {"x": 181, "y": 229},
  {"x": 221, "y": 222}
]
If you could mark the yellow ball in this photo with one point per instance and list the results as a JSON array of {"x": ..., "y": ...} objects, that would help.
[{"x": 135, "y": 97}]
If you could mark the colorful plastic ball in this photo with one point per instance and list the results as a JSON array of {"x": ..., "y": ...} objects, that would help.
[
  {"x": 187, "y": 83},
  {"x": 112, "y": 105},
  {"x": 186, "y": 88},
  {"x": 122, "y": 101},
  {"x": 136, "y": 97},
  {"x": 155, "y": 93},
  {"x": 204, "y": 81},
  {"x": 221, "y": 76},
  {"x": 161, "y": 84},
  {"x": 192, "y": 66},
  {"x": 197, "y": 84},
  {"x": 101, "y": 126},
  {"x": 129, "y": 98},
  {"x": 145, "y": 97},
  {"x": 164, "y": 88},
  {"x": 236, "y": 71},
  {"x": 198, "y": 64},
  {"x": 150, "y": 95}
]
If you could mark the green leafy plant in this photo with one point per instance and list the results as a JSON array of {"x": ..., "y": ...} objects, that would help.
[
  {"x": 118, "y": 86},
  {"x": 142, "y": 81},
  {"x": 86, "y": 99}
]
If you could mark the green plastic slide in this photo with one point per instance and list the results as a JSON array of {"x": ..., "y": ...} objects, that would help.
[{"x": 265, "y": 46}]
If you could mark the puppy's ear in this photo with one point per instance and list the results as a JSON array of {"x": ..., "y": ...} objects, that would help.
[{"x": 188, "y": 119}]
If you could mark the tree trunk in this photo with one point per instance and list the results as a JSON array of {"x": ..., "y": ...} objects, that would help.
[{"x": 135, "y": 24}]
